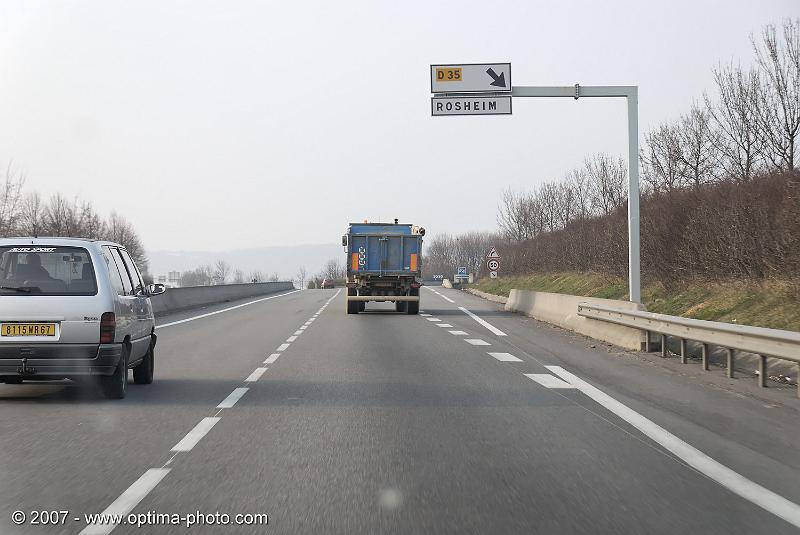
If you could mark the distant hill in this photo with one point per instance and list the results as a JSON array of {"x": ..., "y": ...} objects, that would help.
[{"x": 285, "y": 261}]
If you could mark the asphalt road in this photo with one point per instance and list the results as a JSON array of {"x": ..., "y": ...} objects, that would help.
[{"x": 387, "y": 423}]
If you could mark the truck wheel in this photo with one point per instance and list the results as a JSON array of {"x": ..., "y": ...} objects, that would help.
[
  {"x": 115, "y": 385},
  {"x": 143, "y": 373},
  {"x": 352, "y": 307},
  {"x": 362, "y": 305},
  {"x": 413, "y": 306},
  {"x": 400, "y": 306}
]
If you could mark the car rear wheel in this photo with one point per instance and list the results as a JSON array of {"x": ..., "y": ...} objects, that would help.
[
  {"x": 115, "y": 386},
  {"x": 143, "y": 373}
]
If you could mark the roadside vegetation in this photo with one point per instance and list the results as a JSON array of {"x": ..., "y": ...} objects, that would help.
[{"x": 773, "y": 304}]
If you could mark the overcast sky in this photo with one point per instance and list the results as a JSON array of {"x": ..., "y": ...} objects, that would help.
[{"x": 218, "y": 125}]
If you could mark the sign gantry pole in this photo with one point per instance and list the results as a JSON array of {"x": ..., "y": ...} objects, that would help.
[{"x": 630, "y": 93}]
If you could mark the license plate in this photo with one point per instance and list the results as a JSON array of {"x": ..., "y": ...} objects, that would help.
[{"x": 28, "y": 329}]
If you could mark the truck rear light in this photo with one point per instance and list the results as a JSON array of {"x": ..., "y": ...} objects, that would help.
[
  {"x": 415, "y": 285},
  {"x": 108, "y": 327}
]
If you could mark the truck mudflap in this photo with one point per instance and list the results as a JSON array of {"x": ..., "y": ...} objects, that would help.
[{"x": 383, "y": 298}]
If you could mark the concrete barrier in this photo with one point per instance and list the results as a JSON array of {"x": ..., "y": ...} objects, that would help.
[
  {"x": 176, "y": 299},
  {"x": 489, "y": 297},
  {"x": 562, "y": 310}
]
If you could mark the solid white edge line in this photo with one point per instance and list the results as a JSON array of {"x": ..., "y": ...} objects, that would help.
[
  {"x": 196, "y": 435},
  {"x": 232, "y": 398},
  {"x": 255, "y": 376},
  {"x": 223, "y": 310},
  {"x": 733, "y": 481},
  {"x": 483, "y": 322},
  {"x": 272, "y": 358},
  {"x": 282, "y": 347},
  {"x": 128, "y": 500}
]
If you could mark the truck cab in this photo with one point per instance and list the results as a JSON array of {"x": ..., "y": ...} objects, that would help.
[{"x": 384, "y": 263}]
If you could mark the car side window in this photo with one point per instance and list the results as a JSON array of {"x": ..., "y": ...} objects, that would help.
[
  {"x": 113, "y": 272},
  {"x": 138, "y": 285},
  {"x": 123, "y": 271}
]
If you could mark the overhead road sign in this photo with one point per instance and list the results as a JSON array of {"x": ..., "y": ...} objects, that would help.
[
  {"x": 476, "y": 105},
  {"x": 471, "y": 78}
]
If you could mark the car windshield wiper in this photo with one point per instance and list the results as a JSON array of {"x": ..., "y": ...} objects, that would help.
[{"x": 21, "y": 289}]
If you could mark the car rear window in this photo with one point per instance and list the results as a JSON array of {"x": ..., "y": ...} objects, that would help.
[{"x": 42, "y": 270}]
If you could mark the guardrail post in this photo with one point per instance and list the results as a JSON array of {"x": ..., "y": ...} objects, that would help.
[
  {"x": 730, "y": 363},
  {"x": 663, "y": 345},
  {"x": 647, "y": 341},
  {"x": 705, "y": 357},
  {"x": 683, "y": 350},
  {"x": 762, "y": 371}
]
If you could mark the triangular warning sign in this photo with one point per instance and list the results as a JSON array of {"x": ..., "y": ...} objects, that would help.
[{"x": 492, "y": 253}]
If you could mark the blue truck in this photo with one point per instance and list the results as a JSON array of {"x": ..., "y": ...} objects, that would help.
[{"x": 384, "y": 263}]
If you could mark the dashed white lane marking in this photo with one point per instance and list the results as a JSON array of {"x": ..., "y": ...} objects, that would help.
[
  {"x": 506, "y": 357},
  {"x": 255, "y": 376},
  {"x": 441, "y": 295},
  {"x": 426, "y": 315},
  {"x": 303, "y": 328},
  {"x": 477, "y": 342},
  {"x": 232, "y": 398},
  {"x": 223, "y": 310},
  {"x": 195, "y": 435},
  {"x": 733, "y": 481},
  {"x": 298, "y": 332},
  {"x": 128, "y": 500},
  {"x": 458, "y": 333},
  {"x": 444, "y": 325},
  {"x": 433, "y": 319},
  {"x": 291, "y": 339},
  {"x": 272, "y": 358},
  {"x": 549, "y": 381},
  {"x": 483, "y": 322},
  {"x": 282, "y": 347}
]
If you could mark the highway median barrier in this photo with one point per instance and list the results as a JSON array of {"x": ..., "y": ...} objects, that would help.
[{"x": 178, "y": 299}]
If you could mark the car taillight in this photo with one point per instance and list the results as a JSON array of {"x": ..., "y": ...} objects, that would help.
[{"x": 108, "y": 326}]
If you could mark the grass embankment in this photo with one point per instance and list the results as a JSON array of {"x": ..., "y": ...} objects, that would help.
[{"x": 772, "y": 304}]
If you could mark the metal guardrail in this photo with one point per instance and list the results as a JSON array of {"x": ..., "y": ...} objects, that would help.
[{"x": 758, "y": 340}]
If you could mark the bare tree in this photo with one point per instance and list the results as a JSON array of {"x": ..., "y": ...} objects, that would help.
[
  {"x": 779, "y": 98},
  {"x": 10, "y": 200},
  {"x": 699, "y": 147},
  {"x": 302, "y": 273},
  {"x": 274, "y": 277},
  {"x": 661, "y": 159},
  {"x": 222, "y": 271},
  {"x": 119, "y": 230},
  {"x": 256, "y": 276},
  {"x": 32, "y": 217},
  {"x": 238, "y": 276},
  {"x": 333, "y": 269},
  {"x": 608, "y": 177},
  {"x": 515, "y": 216},
  {"x": 736, "y": 116}
]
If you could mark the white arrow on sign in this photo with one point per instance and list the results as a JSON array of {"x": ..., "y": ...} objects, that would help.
[
  {"x": 492, "y": 253},
  {"x": 492, "y": 274}
]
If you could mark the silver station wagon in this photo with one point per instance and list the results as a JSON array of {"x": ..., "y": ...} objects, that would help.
[{"x": 71, "y": 308}]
